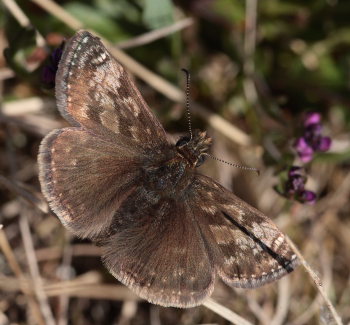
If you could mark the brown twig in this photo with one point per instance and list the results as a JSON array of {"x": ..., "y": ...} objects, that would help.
[
  {"x": 85, "y": 286},
  {"x": 318, "y": 283},
  {"x": 225, "y": 312},
  {"x": 20, "y": 190},
  {"x": 154, "y": 316},
  {"x": 27, "y": 106},
  {"x": 93, "y": 291},
  {"x": 155, "y": 34},
  {"x": 52, "y": 253},
  {"x": 249, "y": 87},
  {"x": 22, "y": 19},
  {"x": 250, "y": 37},
  {"x": 282, "y": 303},
  {"x": 257, "y": 310},
  {"x": 6, "y": 73},
  {"x": 16, "y": 269},
  {"x": 62, "y": 318},
  {"x": 35, "y": 124},
  {"x": 34, "y": 269},
  {"x": 16, "y": 12},
  {"x": 128, "y": 312}
]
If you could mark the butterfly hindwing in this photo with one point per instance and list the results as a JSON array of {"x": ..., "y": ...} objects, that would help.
[
  {"x": 157, "y": 249},
  {"x": 249, "y": 249}
]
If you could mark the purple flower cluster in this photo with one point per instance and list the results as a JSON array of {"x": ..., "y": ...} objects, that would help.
[
  {"x": 295, "y": 186},
  {"x": 293, "y": 180},
  {"x": 312, "y": 140},
  {"x": 48, "y": 73}
]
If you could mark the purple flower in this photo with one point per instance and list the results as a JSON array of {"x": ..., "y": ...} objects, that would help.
[
  {"x": 312, "y": 118},
  {"x": 304, "y": 151},
  {"x": 48, "y": 73},
  {"x": 295, "y": 186},
  {"x": 308, "y": 197},
  {"x": 312, "y": 140},
  {"x": 324, "y": 144}
]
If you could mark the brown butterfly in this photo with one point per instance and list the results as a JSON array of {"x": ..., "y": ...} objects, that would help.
[{"x": 166, "y": 231}]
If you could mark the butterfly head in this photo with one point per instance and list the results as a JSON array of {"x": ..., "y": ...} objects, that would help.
[{"x": 194, "y": 149}]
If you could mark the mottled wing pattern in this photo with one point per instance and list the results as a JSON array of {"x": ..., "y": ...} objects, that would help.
[
  {"x": 165, "y": 240},
  {"x": 85, "y": 179},
  {"x": 158, "y": 250},
  {"x": 168, "y": 250},
  {"x": 94, "y": 91},
  {"x": 86, "y": 172},
  {"x": 249, "y": 249}
]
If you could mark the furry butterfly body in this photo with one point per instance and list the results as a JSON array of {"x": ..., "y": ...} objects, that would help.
[{"x": 166, "y": 231}]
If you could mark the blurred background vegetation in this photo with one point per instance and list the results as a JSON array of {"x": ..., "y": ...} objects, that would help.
[{"x": 257, "y": 68}]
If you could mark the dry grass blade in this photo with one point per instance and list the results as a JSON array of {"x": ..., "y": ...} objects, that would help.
[
  {"x": 17, "y": 12},
  {"x": 6, "y": 73},
  {"x": 52, "y": 253},
  {"x": 34, "y": 270},
  {"x": 283, "y": 302},
  {"x": 317, "y": 282},
  {"x": 93, "y": 291},
  {"x": 57, "y": 11},
  {"x": 311, "y": 310},
  {"x": 27, "y": 106},
  {"x": 225, "y": 312},
  {"x": 35, "y": 124},
  {"x": 11, "y": 259},
  {"x": 62, "y": 318},
  {"x": 84, "y": 286},
  {"x": 128, "y": 312},
  {"x": 258, "y": 310},
  {"x": 20, "y": 190},
  {"x": 155, "y": 34},
  {"x": 22, "y": 19}
]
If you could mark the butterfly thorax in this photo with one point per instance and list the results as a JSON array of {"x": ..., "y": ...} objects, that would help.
[
  {"x": 194, "y": 150},
  {"x": 173, "y": 172}
]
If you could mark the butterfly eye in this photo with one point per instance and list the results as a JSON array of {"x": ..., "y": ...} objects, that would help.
[
  {"x": 182, "y": 141},
  {"x": 200, "y": 160}
]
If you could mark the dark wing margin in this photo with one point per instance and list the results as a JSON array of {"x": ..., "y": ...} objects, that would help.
[
  {"x": 94, "y": 91},
  {"x": 248, "y": 248}
]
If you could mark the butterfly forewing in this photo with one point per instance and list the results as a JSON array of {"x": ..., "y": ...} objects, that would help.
[
  {"x": 95, "y": 91},
  {"x": 87, "y": 171},
  {"x": 165, "y": 230}
]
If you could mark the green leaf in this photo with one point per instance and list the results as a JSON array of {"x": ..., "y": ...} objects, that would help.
[
  {"x": 21, "y": 46},
  {"x": 96, "y": 20},
  {"x": 234, "y": 10},
  {"x": 121, "y": 9},
  {"x": 333, "y": 157},
  {"x": 157, "y": 13}
]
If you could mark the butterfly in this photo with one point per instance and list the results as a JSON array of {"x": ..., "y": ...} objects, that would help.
[{"x": 166, "y": 231}]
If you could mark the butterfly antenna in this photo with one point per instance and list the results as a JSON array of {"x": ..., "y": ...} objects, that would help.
[
  {"x": 188, "y": 80},
  {"x": 236, "y": 165}
]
